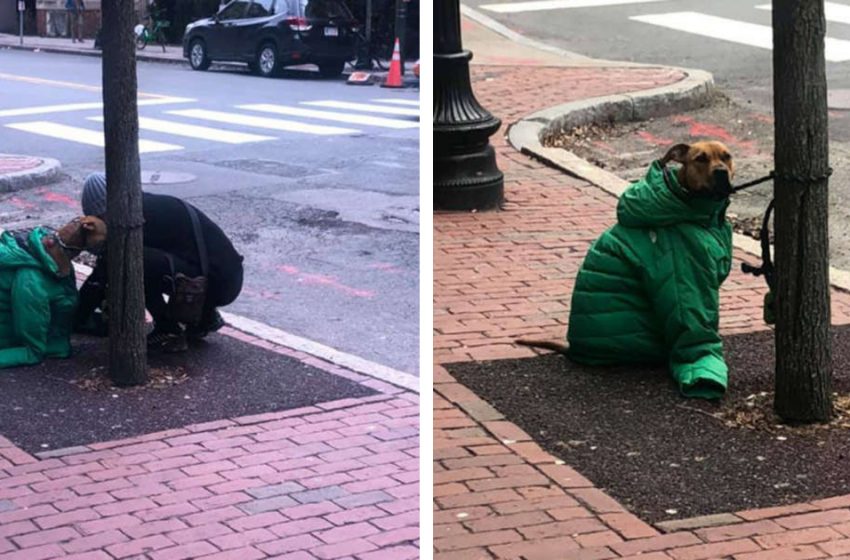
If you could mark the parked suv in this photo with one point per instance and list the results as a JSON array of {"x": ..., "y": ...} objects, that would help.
[{"x": 271, "y": 34}]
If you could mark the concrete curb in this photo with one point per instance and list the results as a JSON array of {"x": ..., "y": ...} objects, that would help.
[
  {"x": 47, "y": 172},
  {"x": 140, "y": 56},
  {"x": 526, "y": 135}
]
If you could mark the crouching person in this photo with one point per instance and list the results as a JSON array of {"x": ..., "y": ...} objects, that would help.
[
  {"x": 38, "y": 293},
  {"x": 179, "y": 241}
]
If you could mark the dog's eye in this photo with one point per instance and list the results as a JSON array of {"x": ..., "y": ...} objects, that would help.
[
  {"x": 702, "y": 158},
  {"x": 726, "y": 157}
]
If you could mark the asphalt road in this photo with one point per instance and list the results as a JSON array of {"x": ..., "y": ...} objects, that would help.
[
  {"x": 721, "y": 37},
  {"x": 321, "y": 197}
]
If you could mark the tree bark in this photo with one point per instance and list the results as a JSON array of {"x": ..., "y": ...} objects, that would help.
[
  {"x": 127, "y": 345},
  {"x": 803, "y": 346}
]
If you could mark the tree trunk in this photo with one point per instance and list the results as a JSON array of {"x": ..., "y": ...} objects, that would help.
[
  {"x": 127, "y": 349},
  {"x": 803, "y": 346}
]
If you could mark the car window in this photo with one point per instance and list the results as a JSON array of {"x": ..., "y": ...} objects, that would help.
[
  {"x": 324, "y": 9},
  {"x": 261, "y": 8},
  {"x": 234, "y": 10}
]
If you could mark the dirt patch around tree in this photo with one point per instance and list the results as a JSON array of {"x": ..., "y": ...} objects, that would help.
[
  {"x": 65, "y": 403},
  {"x": 665, "y": 457}
]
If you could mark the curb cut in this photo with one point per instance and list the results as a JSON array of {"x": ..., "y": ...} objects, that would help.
[{"x": 47, "y": 172}]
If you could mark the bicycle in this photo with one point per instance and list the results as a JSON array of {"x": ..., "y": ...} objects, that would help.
[
  {"x": 370, "y": 52},
  {"x": 145, "y": 35}
]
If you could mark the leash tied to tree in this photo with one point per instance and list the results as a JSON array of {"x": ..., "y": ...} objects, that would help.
[{"x": 767, "y": 269}]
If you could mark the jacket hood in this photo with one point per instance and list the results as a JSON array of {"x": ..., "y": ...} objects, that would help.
[
  {"x": 12, "y": 255},
  {"x": 650, "y": 202}
]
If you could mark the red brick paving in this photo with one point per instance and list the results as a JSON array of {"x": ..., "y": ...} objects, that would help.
[
  {"x": 334, "y": 480},
  {"x": 498, "y": 276}
]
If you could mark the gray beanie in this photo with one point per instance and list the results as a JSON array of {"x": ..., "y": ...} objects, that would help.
[{"x": 94, "y": 195}]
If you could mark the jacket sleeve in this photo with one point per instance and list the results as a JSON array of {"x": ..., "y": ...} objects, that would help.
[
  {"x": 30, "y": 320},
  {"x": 683, "y": 283}
]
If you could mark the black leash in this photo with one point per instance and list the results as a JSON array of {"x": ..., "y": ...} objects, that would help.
[{"x": 767, "y": 177}]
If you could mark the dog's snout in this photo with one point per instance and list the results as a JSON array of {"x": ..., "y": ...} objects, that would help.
[{"x": 720, "y": 173}]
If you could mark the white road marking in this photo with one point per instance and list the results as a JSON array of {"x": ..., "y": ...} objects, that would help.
[
  {"x": 411, "y": 102},
  {"x": 365, "y": 107},
  {"x": 538, "y": 5},
  {"x": 262, "y": 122},
  {"x": 195, "y": 131},
  {"x": 84, "y": 106},
  {"x": 838, "y": 13},
  {"x": 85, "y": 136},
  {"x": 837, "y": 50},
  {"x": 331, "y": 116}
]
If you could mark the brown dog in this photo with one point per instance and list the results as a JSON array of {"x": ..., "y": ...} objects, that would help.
[
  {"x": 86, "y": 233},
  {"x": 707, "y": 170},
  {"x": 703, "y": 165}
]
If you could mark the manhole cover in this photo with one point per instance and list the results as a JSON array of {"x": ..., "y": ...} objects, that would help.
[
  {"x": 166, "y": 177},
  {"x": 838, "y": 99}
]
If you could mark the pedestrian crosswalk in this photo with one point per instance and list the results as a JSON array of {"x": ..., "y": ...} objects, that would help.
[
  {"x": 240, "y": 124},
  {"x": 837, "y": 50},
  {"x": 746, "y": 27}
]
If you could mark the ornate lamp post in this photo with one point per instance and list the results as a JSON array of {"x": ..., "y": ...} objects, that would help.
[{"x": 465, "y": 173}]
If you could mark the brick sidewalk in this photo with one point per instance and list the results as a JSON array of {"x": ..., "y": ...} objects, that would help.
[
  {"x": 504, "y": 275},
  {"x": 338, "y": 480}
]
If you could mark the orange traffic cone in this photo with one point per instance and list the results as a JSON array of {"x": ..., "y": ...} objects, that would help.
[{"x": 394, "y": 77}]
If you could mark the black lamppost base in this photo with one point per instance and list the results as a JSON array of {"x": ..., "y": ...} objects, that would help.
[
  {"x": 468, "y": 181},
  {"x": 466, "y": 176}
]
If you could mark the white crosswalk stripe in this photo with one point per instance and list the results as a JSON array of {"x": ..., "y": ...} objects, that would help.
[
  {"x": 365, "y": 107},
  {"x": 381, "y": 113},
  {"x": 195, "y": 131},
  {"x": 85, "y": 136},
  {"x": 539, "y": 5},
  {"x": 411, "y": 102},
  {"x": 837, "y": 50},
  {"x": 68, "y": 107},
  {"x": 329, "y": 115},
  {"x": 262, "y": 122}
]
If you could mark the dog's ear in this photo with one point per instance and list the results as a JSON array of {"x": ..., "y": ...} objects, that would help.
[
  {"x": 677, "y": 153},
  {"x": 88, "y": 223}
]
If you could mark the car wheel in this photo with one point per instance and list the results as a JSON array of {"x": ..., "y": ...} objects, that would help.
[
  {"x": 267, "y": 62},
  {"x": 331, "y": 69},
  {"x": 198, "y": 58}
]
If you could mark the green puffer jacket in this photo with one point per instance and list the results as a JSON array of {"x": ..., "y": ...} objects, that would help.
[
  {"x": 647, "y": 291},
  {"x": 36, "y": 305}
]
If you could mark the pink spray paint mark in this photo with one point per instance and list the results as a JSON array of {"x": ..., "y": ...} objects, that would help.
[
  {"x": 261, "y": 294},
  {"x": 712, "y": 131},
  {"x": 50, "y": 196},
  {"x": 386, "y": 267},
  {"x": 652, "y": 139},
  {"x": 22, "y": 204},
  {"x": 682, "y": 119},
  {"x": 604, "y": 146},
  {"x": 322, "y": 280}
]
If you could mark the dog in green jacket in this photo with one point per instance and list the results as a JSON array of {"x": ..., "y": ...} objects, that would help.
[
  {"x": 38, "y": 292},
  {"x": 648, "y": 289}
]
